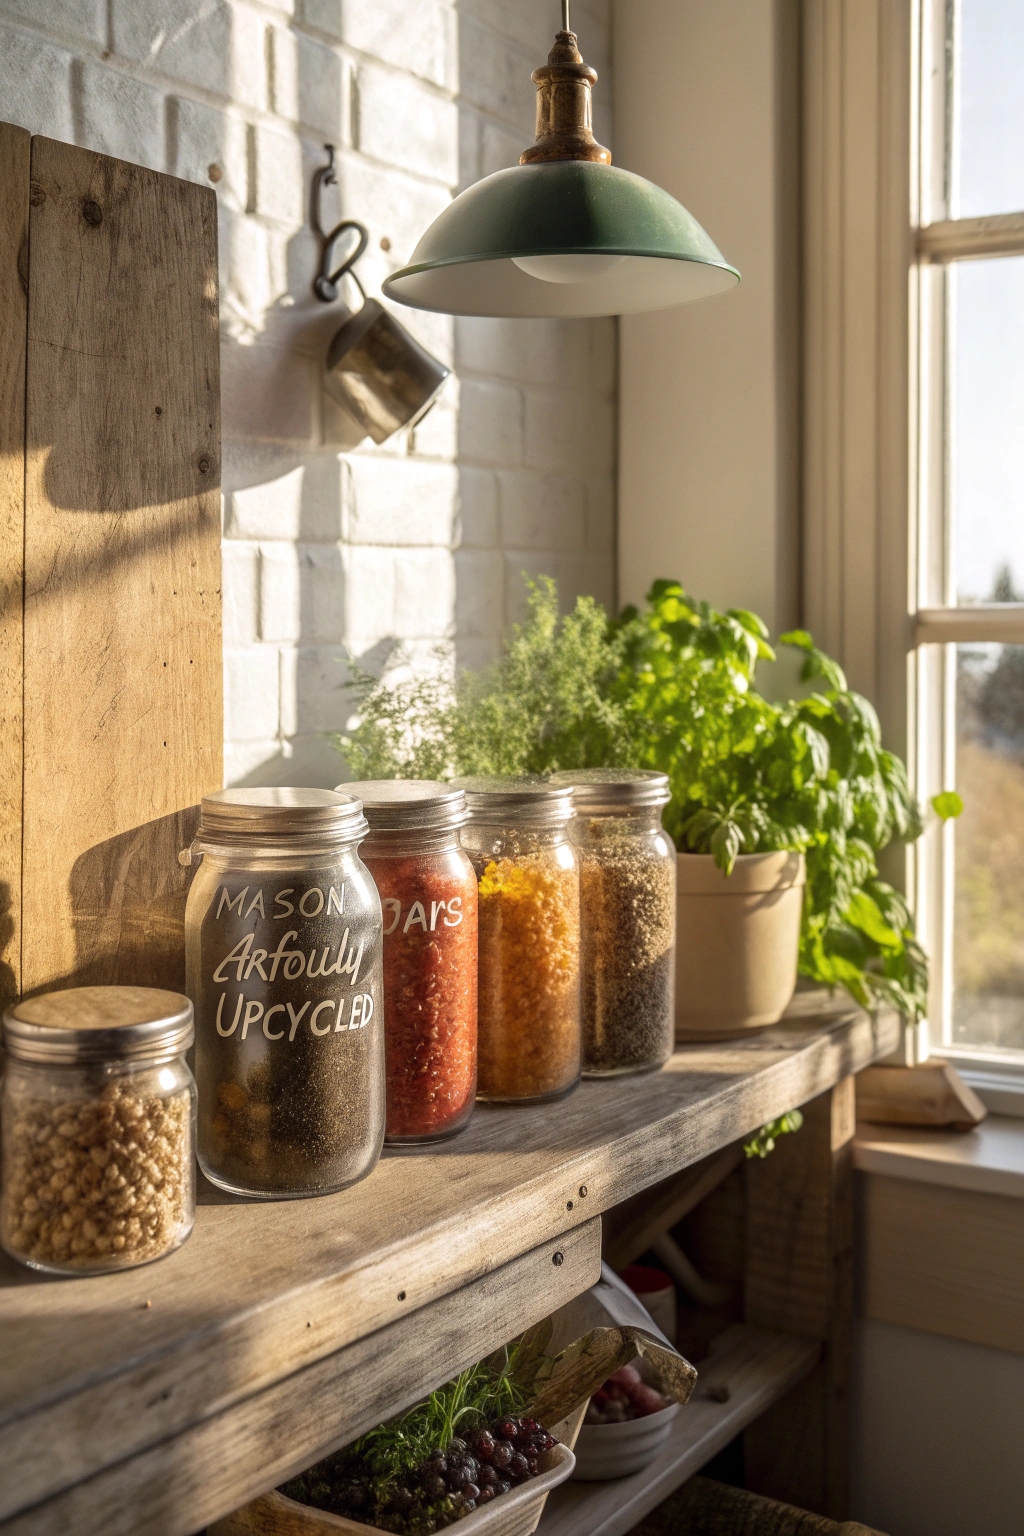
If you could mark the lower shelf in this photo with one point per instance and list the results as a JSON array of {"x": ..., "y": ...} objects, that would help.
[{"x": 749, "y": 1369}]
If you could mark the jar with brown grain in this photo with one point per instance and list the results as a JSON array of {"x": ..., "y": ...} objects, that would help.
[
  {"x": 283, "y": 965},
  {"x": 528, "y": 886},
  {"x": 628, "y": 918},
  {"x": 99, "y": 1110}
]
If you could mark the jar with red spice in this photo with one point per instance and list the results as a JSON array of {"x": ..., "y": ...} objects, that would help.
[{"x": 428, "y": 891}]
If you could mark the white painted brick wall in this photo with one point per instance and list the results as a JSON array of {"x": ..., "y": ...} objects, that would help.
[{"x": 334, "y": 547}]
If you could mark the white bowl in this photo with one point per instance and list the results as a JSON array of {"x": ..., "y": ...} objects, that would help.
[{"x": 604, "y": 1451}]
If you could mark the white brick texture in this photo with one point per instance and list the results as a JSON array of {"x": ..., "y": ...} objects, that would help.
[
  {"x": 118, "y": 115},
  {"x": 335, "y": 548}
]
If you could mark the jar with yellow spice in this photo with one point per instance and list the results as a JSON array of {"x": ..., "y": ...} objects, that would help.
[{"x": 530, "y": 1040}]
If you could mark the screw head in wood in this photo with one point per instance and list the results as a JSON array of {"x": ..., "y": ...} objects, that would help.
[
  {"x": 583, "y": 1191},
  {"x": 204, "y": 465},
  {"x": 92, "y": 213},
  {"x": 557, "y": 1259}
]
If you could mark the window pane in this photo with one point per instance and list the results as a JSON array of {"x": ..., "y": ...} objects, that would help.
[
  {"x": 988, "y": 933},
  {"x": 986, "y": 374},
  {"x": 988, "y": 109}
]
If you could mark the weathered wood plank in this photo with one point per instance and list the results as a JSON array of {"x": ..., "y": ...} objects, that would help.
[
  {"x": 14, "y": 195},
  {"x": 799, "y": 1278},
  {"x": 92, "y": 1376},
  {"x": 123, "y": 728},
  {"x": 631, "y": 1228},
  {"x": 950, "y": 1261},
  {"x": 182, "y": 1484},
  {"x": 749, "y": 1370}
]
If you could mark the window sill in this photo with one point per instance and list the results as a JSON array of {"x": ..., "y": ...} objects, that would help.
[
  {"x": 998, "y": 1080},
  {"x": 989, "y": 1160}
]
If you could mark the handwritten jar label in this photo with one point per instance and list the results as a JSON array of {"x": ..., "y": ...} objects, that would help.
[{"x": 289, "y": 1037}]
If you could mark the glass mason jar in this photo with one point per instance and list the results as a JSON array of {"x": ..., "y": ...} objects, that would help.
[
  {"x": 628, "y": 903},
  {"x": 99, "y": 1120},
  {"x": 428, "y": 892},
  {"x": 529, "y": 947},
  {"x": 283, "y": 966}
]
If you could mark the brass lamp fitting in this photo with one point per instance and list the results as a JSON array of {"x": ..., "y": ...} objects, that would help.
[{"x": 564, "y": 107}]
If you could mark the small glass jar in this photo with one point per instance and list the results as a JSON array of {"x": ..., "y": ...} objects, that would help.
[
  {"x": 428, "y": 892},
  {"x": 99, "y": 1118},
  {"x": 529, "y": 895},
  {"x": 283, "y": 966},
  {"x": 628, "y": 904}
]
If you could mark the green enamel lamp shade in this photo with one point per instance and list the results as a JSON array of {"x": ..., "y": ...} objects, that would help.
[{"x": 563, "y": 237}]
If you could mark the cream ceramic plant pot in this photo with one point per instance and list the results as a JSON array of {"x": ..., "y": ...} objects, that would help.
[{"x": 737, "y": 942}]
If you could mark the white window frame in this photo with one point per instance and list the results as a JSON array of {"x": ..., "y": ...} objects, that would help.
[
  {"x": 939, "y": 625},
  {"x": 876, "y": 569}
]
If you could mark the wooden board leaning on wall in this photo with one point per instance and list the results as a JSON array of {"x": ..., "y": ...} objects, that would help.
[{"x": 112, "y": 639}]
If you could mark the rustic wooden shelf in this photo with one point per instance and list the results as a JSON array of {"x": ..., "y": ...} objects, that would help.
[
  {"x": 750, "y": 1368},
  {"x": 153, "y": 1402}
]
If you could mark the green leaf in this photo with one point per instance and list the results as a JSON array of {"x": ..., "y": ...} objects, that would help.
[
  {"x": 763, "y": 1141},
  {"x": 726, "y": 842},
  {"x": 948, "y": 804}
]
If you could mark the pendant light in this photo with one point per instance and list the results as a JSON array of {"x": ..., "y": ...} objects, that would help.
[{"x": 564, "y": 232}]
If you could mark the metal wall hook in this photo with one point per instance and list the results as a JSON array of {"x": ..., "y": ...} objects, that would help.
[{"x": 325, "y": 284}]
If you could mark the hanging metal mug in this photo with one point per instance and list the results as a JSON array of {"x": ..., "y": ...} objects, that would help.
[{"x": 375, "y": 370}]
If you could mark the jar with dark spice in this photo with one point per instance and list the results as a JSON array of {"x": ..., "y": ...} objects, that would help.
[
  {"x": 529, "y": 895},
  {"x": 283, "y": 966},
  {"x": 99, "y": 1111},
  {"x": 628, "y": 905},
  {"x": 428, "y": 892}
]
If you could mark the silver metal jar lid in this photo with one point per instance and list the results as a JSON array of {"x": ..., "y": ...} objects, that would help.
[
  {"x": 238, "y": 816},
  {"x": 607, "y": 790},
  {"x": 408, "y": 805},
  {"x": 100, "y": 1024},
  {"x": 523, "y": 799}
]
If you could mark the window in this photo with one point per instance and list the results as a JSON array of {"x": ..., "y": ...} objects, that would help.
[{"x": 969, "y": 298}]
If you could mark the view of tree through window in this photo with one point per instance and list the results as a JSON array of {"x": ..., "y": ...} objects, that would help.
[
  {"x": 985, "y": 527},
  {"x": 988, "y": 924}
]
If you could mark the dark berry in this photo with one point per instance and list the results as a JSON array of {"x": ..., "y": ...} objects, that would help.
[
  {"x": 543, "y": 1441},
  {"x": 469, "y": 1504},
  {"x": 502, "y": 1454},
  {"x": 356, "y": 1496},
  {"x": 483, "y": 1445},
  {"x": 472, "y": 1467},
  {"x": 435, "y": 1486},
  {"x": 486, "y": 1495},
  {"x": 508, "y": 1429},
  {"x": 503, "y": 1485},
  {"x": 457, "y": 1448},
  {"x": 530, "y": 1426},
  {"x": 438, "y": 1462},
  {"x": 487, "y": 1477},
  {"x": 533, "y": 1465},
  {"x": 519, "y": 1467},
  {"x": 470, "y": 1491}
]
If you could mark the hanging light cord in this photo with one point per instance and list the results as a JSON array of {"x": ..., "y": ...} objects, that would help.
[{"x": 565, "y": 16}]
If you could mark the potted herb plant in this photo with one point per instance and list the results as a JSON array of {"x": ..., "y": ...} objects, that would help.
[{"x": 778, "y": 810}]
